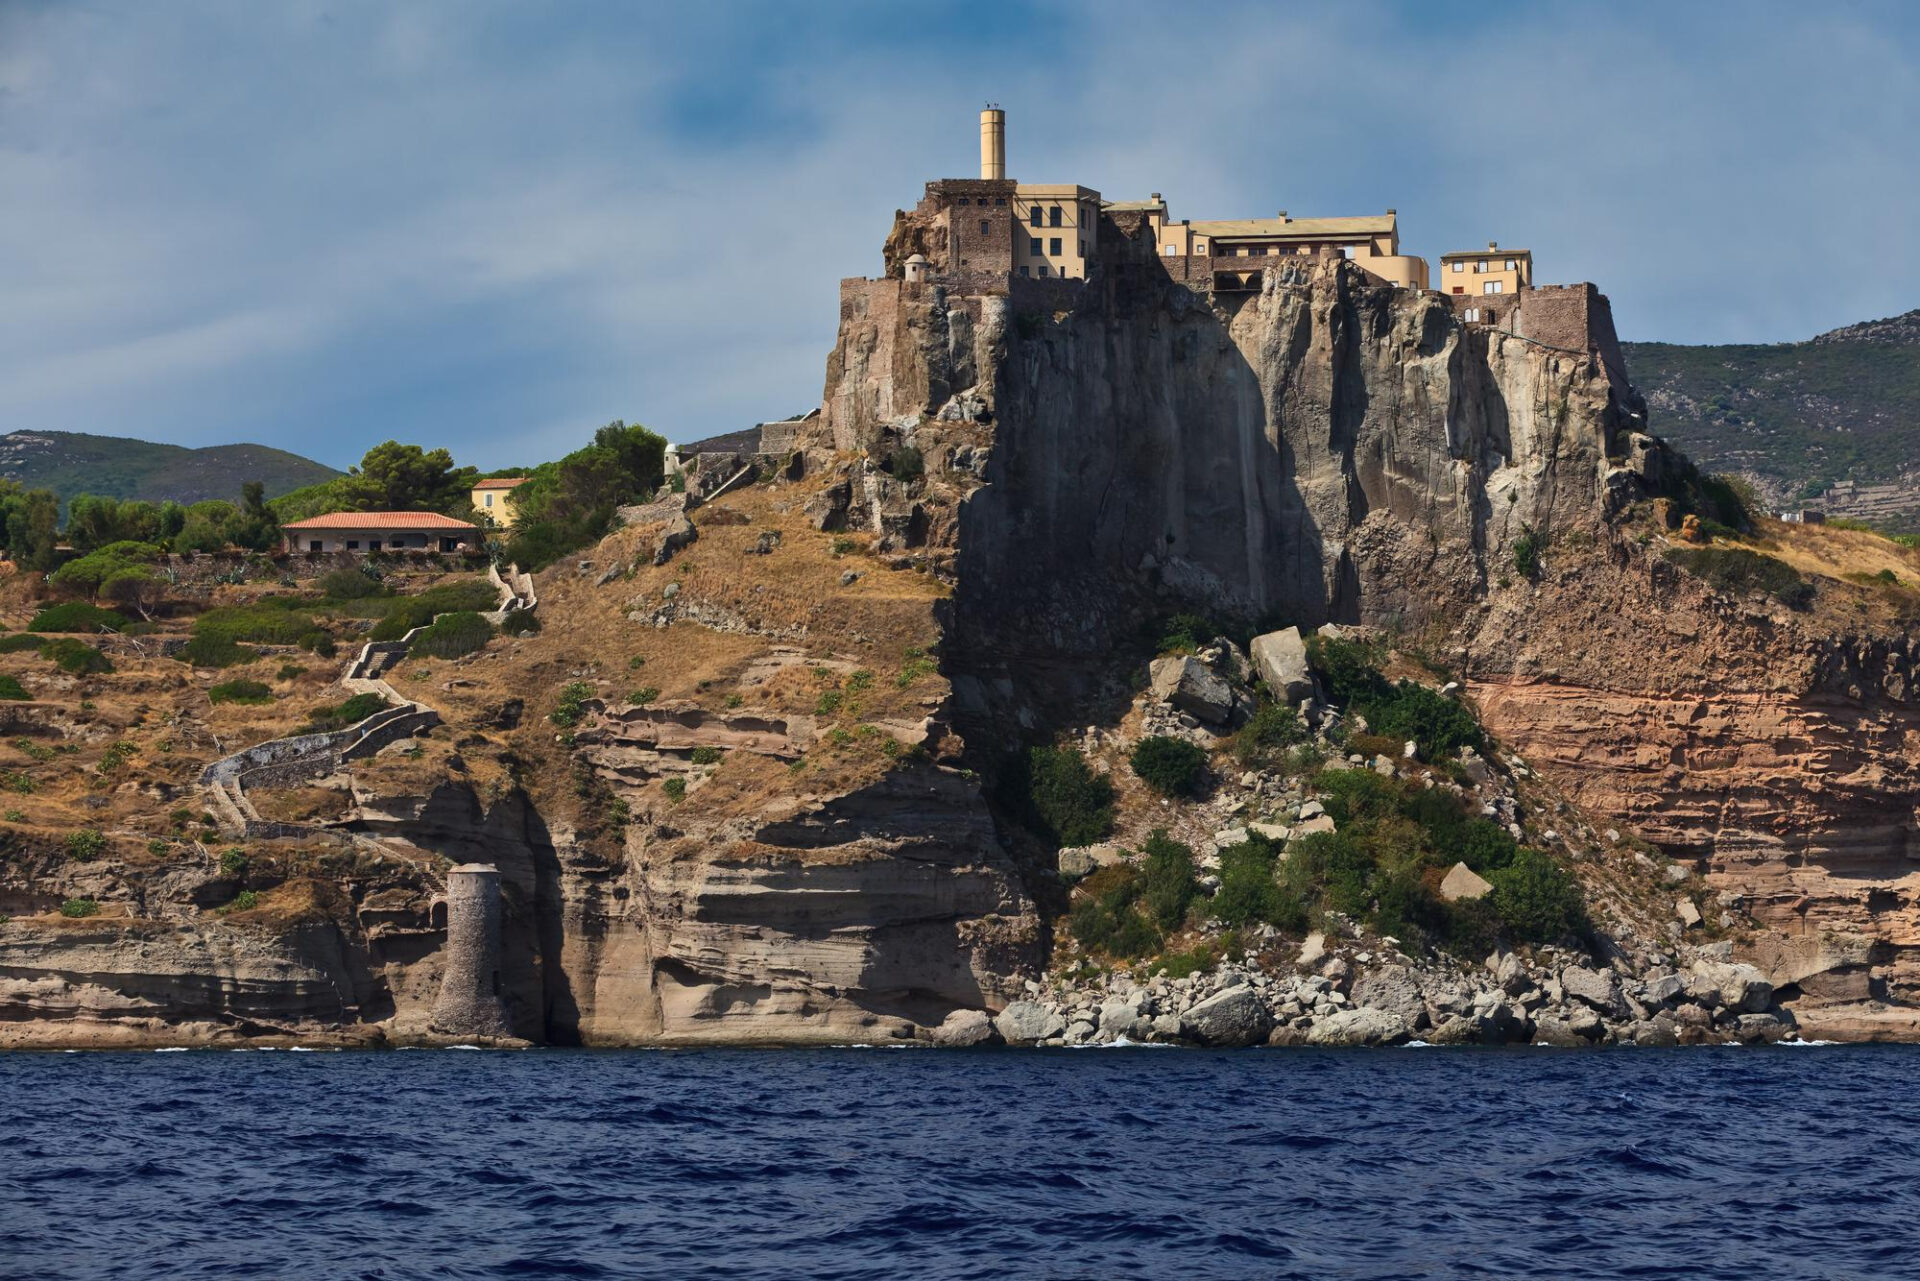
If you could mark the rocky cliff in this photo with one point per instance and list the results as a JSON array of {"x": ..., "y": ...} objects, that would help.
[{"x": 739, "y": 785}]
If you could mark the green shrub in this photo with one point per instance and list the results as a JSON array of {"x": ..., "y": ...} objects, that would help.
[
  {"x": 1167, "y": 883},
  {"x": 350, "y": 584},
  {"x": 75, "y": 657},
  {"x": 1185, "y": 633},
  {"x": 340, "y": 716},
  {"x": 1349, "y": 671},
  {"x": 89, "y": 572},
  {"x": 1109, "y": 919},
  {"x": 77, "y": 616},
  {"x": 240, "y": 692},
  {"x": 158, "y": 848},
  {"x": 214, "y": 651},
  {"x": 521, "y": 622},
  {"x": 643, "y": 695},
  {"x": 1170, "y": 766},
  {"x": 844, "y": 547},
  {"x": 453, "y": 635},
  {"x": 17, "y": 782},
  {"x": 1526, "y": 552},
  {"x": 906, "y": 462},
  {"x": 1536, "y": 899},
  {"x": 1249, "y": 894},
  {"x": 269, "y": 622},
  {"x": 79, "y": 907},
  {"x": 233, "y": 862},
  {"x": 317, "y": 643},
  {"x": 1737, "y": 571},
  {"x": 706, "y": 755},
  {"x": 676, "y": 789},
  {"x": 20, "y": 642},
  {"x": 10, "y": 689},
  {"x": 1065, "y": 798},
  {"x": 1268, "y": 733},
  {"x": 85, "y": 844},
  {"x": 1180, "y": 965},
  {"x": 568, "y": 710},
  {"x": 16, "y": 816},
  {"x": 289, "y": 671},
  {"x": 244, "y": 901}
]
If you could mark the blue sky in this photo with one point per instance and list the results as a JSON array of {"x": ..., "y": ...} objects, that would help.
[{"x": 495, "y": 226}]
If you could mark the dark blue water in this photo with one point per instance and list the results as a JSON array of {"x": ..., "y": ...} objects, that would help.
[{"x": 1739, "y": 1163}]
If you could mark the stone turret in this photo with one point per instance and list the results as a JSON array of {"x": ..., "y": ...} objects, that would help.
[{"x": 470, "y": 1001}]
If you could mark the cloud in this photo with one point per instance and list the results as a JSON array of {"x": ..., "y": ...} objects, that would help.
[{"x": 495, "y": 226}]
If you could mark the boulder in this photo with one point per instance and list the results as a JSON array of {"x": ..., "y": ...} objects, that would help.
[
  {"x": 1235, "y": 1017},
  {"x": 1462, "y": 882},
  {"x": 1286, "y": 1035},
  {"x": 1313, "y": 949},
  {"x": 1076, "y": 861},
  {"x": 1281, "y": 660},
  {"x": 1190, "y": 686},
  {"x": 1318, "y": 823},
  {"x": 1358, "y": 1027},
  {"x": 1662, "y": 988},
  {"x": 1395, "y": 989},
  {"x": 1598, "y": 988},
  {"x": 963, "y": 1028},
  {"x": 1758, "y": 1029},
  {"x": 1025, "y": 1022},
  {"x": 1501, "y": 1024},
  {"x": 1550, "y": 1029},
  {"x": 1689, "y": 914},
  {"x": 1741, "y": 989},
  {"x": 1270, "y": 831}
]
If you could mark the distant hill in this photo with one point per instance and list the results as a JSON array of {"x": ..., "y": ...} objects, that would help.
[
  {"x": 72, "y": 463},
  {"x": 1842, "y": 409}
]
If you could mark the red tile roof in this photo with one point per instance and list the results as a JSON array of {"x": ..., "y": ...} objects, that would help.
[
  {"x": 381, "y": 520},
  {"x": 502, "y": 482}
]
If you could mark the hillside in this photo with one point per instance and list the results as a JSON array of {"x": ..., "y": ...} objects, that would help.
[
  {"x": 1799, "y": 418},
  {"x": 72, "y": 463}
]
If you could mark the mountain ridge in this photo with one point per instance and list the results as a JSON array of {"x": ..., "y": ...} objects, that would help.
[{"x": 126, "y": 467}]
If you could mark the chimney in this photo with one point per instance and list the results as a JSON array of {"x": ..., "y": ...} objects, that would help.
[
  {"x": 993, "y": 143},
  {"x": 1493, "y": 244},
  {"x": 1283, "y": 216}
]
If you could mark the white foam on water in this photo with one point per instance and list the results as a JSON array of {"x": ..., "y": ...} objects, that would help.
[
  {"x": 1807, "y": 1045},
  {"x": 171, "y": 1049},
  {"x": 462, "y": 1047},
  {"x": 1418, "y": 1045}
]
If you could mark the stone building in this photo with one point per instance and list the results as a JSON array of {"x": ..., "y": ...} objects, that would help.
[{"x": 471, "y": 1001}]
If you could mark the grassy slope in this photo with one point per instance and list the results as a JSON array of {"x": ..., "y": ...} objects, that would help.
[
  {"x": 72, "y": 463},
  {"x": 1798, "y": 416}
]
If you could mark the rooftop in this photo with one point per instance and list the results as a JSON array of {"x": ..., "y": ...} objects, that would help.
[
  {"x": 502, "y": 482},
  {"x": 1488, "y": 252},
  {"x": 1369, "y": 224},
  {"x": 381, "y": 520}
]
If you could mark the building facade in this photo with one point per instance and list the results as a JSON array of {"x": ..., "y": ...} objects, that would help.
[
  {"x": 381, "y": 532},
  {"x": 1488, "y": 271},
  {"x": 493, "y": 499}
]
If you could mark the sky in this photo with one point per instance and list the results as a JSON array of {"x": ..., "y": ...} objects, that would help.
[{"x": 495, "y": 225}]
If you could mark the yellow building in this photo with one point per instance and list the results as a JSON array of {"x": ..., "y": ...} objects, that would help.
[
  {"x": 494, "y": 499},
  {"x": 1055, "y": 229},
  {"x": 1492, "y": 270},
  {"x": 1372, "y": 241}
]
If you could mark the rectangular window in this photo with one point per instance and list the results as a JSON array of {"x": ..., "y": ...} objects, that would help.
[
  {"x": 1053, "y": 246},
  {"x": 1023, "y": 271},
  {"x": 1471, "y": 313},
  {"x": 489, "y": 500},
  {"x": 353, "y": 544},
  {"x": 1083, "y": 249},
  {"x": 1512, "y": 265},
  {"x": 313, "y": 545},
  {"x": 1169, "y": 249},
  {"x": 1053, "y": 216},
  {"x": 1033, "y": 216},
  {"x": 1459, "y": 266},
  {"x": 965, "y": 201},
  {"x": 1199, "y": 246},
  {"x": 1033, "y": 245},
  {"x": 1043, "y": 270},
  {"x": 1495, "y": 287},
  {"x": 373, "y": 544},
  {"x": 986, "y": 228},
  {"x": 999, "y": 200},
  {"x": 1459, "y": 289},
  {"x": 1479, "y": 265}
]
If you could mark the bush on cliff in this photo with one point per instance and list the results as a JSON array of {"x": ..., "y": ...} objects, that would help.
[
  {"x": 75, "y": 657},
  {"x": 1170, "y": 766},
  {"x": 1250, "y": 893},
  {"x": 214, "y": 651},
  {"x": 240, "y": 692},
  {"x": 1267, "y": 735},
  {"x": 452, "y": 636},
  {"x": 11, "y": 690},
  {"x": 1062, "y": 796},
  {"x": 341, "y": 715},
  {"x": 1167, "y": 883},
  {"x": 77, "y": 908},
  {"x": 1737, "y": 571},
  {"x": 1349, "y": 672},
  {"x": 77, "y": 616},
  {"x": 86, "y": 575}
]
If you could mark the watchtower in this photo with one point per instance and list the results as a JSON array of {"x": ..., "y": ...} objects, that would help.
[{"x": 471, "y": 1001}]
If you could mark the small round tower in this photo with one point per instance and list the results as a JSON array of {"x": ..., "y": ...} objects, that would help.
[
  {"x": 916, "y": 269},
  {"x": 471, "y": 1001}
]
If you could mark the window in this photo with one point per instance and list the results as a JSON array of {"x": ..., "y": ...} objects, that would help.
[
  {"x": 1043, "y": 270},
  {"x": 1471, "y": 313},
  {"x": 1169, "y": 249},
  {"x": 1033, "y": 245},
  {"x": 1479, "y": 265},
  {"x": 314, "y": 545},
  {"x": 986, "y": 228},
  {"x": 1033, "y": 216},
  {"x": 1494, "y": 287},
  {"x": 353, "y": 544},
  {"x": 1053, "y": 216},
  {"x": 1023, "y": 271},
  {"x": 1512, "y": 265},
  {"x": 999, "y": 200},
  {"x": 1053, "y": 246},
  {"x": 1459, "y": 289},
  {"x": 1083, "y": 249},
  {"x": 373, "y": 544},
  {"x": 965, "y": 201},
  {"x": 1199, "y": 246},
  {"x": 489, "y": 500},
  {"x": 1459, "y": 266}
]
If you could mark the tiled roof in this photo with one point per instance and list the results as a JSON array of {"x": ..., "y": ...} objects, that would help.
[
  {"x": 502, "y": 482},
  {"x": 381, "y": 520},
  {"x": 1368, "y": 224}
]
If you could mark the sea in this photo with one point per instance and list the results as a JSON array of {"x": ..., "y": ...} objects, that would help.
[{"x": 1779, "y": 1162}]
